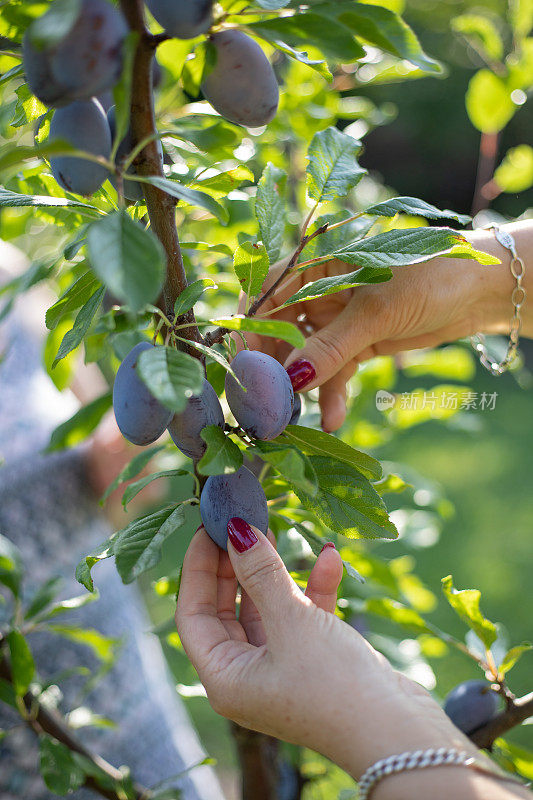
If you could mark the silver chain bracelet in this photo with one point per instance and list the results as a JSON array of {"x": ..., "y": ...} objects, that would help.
[
  {"x": 518, "y": 297},
  {"x": 420, "y": 759}
]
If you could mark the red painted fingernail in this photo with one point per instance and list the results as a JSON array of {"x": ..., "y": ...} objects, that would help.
[
  {"x": 199, "y": 528},
  {"x": 301, "y": 373},
  {"x": 241, "y": 534},
  {"x": 328, "y": 544}
]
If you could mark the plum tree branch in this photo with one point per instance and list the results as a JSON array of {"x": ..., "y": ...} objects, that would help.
[
  {"x": 161, "y": 207},
  {"x": 42, "y": 720},
  {"x": 514, "y": 714}
]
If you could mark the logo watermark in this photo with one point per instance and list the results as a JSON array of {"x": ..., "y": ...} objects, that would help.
[{"x": 445, "y": 400}]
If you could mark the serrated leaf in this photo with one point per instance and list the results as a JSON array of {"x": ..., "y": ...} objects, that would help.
[
  {"x": 10, "y": 199},
  {"x": 512, "y": 656},
  {"x": 11, "y": 567},
  {"x": 264, "y": 327},
  {"x": 293, "y": 465},
  {"x": 270, "y": 210},
  {"x": 80, "y": 425},
  {"x": 133, "y": 489},
  {"x": 22, "y": 663},
  {"x": 250, "y": 264},
  {"x": 332, "y": 169},
  {"x": 171, "y": 375},
  {"x": 61, "y": 774},
  {"x": 137, "y": 547},
  {"x": 103, "y": 647},
  {"x": 465, "y": 603},
  {"x": 346, "y": 502},
  {"x": 316, "y": 442},
  {"x": 191, "y": 196},
  {"x": 222, "y": 456},
  {"x": 186, "y": 300},
  {"x": 83, "y": 569},
  {"x": 338, "y": 283},
  {"x": 74, "y": 337},
  {"x": 128, "y": 259},
  {"x": 136, "y": 465},
  {"x": 72, "y": 298},
  {"x": 414, "y": 207}
]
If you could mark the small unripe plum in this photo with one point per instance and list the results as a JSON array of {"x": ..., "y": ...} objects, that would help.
[
  {"x": 470, "y": 705},
  {"x": 226, "y": 496},
  {"x": 265, "y": 408},
  {"x": 201, "y": 410},
  {"x": 184, "y": 19},
  {"x": 297, "y": 410},
  {"x": 242, "y": 85},
  {"x": 83, "y": 124},
  {"x": 140, "y": 417},
  {"x": 132, "y": 190}
]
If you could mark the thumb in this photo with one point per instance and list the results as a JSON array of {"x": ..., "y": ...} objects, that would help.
[
  {"x": 328, "y": 350},
  {"x": 261, "y": 572}
]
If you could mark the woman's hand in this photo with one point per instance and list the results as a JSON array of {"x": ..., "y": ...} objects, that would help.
[
  {"x": 287, "y": 666},
  {"x": 422, "y": 306}
]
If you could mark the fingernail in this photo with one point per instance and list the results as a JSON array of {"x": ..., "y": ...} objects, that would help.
[
  {"x": 199, "y": 528},
  {"x": 328, "y": 544},
  {"x": 241, "y": 534},
  {"x": 301, "y": 373}
]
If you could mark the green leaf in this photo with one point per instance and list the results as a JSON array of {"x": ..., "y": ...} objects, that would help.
[
  {"x": 171, "y": 375},
  {"x": 51, "y": 28},
  {"x": 72, "y": 604},
  {"x": 133, "y": 489},
  {"x": 128, "y": 259},
  {"x": 81, "y": 425},
  {"x": 521, "y": 14},
  {"x": 61, "y": 774},
  {"x": 7, "y": 694},
  {"x": 103, "y": 647},
  {"x": 319, "y": 65},
  {"x": 332, "y": 169},
  {"x": 191, "y": 196},
  {"x": 331, "y": 37},
  {"x": 10, "y": 199},
  {"x": 466, "y": 604},
  {"x": 138, "y": 546},
  {"x": 315, "y": 442},
  {"x": 210, "y": 248},
  {"x": 398, "y": 248},
  {"x": 28, "y": 108},
  {"x": 270, "y": 210},
  {"x": 512, "y": 656},
  {"x": 398, "y": 613},
  {"x": 136, "y": 465},
  {"x": 515, "y": 173},
  {"x": 212, "y": 353},
  {"x": 264, "y": 327},
  {"x": 186, "y": 300},
  {"x": 250, "y": 264},
  {"x": 481, "y": 32},
  {"x": 294, "y": 466},
  {"x": 11, "y": 568},
  {"x": 414, "y": 207},
  {"x": 12, "y": 156},
  {"x": 83, "y": 570},
  {"x": 346, "y": 501},
  {"x": 196, "y": 69},
  {"x": 223, "y": 183},
  {"x": 72, "y": 298},
  {"x": 43, "y": 597},
  {"x": 325, "y": 286},
  {"x": 22, "y": 664},
  {"x": 222, "y": 456},
  {"x": 488, "y": 102},
  {"x": 384, "y": 29},
  {"x": 273, "y": 5},
  {"x": 74, "y": 337}
]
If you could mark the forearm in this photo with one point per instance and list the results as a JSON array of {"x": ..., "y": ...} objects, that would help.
[
  {"x": 443, "y": 783},
  {"x": 494, "y": 284}
]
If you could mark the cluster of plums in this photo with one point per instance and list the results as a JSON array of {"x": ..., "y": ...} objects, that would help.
[
  {"x": 76, "y": 74},
  {"x": 263, "y": 409},
  {"x": 470, "y": 705}
]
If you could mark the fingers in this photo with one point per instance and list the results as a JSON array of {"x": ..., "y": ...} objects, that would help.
[
  {"x": 249, "y": 616},
  {"x": 324, "y": 579},
  {"x": 332, "y": 398},
  {"x": 262, "y": 574}
]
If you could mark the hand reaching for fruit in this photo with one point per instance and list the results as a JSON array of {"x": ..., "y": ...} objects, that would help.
[
  {"x": 287, "y": 666},
  {"x": 423, "y": 305}
]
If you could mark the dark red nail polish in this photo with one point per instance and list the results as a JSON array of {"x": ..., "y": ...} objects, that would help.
[
  {"x": 241, "y": 534},
  {"x": 328, "y": 544},
  {"x": 301, "y": 373},
  {"x": 199, "y": 528}
]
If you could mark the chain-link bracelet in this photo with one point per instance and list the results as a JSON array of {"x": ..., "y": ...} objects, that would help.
[
  {"x": 518, "y": 297},
  {"x": 420, "y": 759}
]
